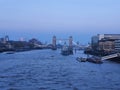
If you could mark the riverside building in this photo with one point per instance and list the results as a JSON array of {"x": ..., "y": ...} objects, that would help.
[{"x": 106, "y": 42}]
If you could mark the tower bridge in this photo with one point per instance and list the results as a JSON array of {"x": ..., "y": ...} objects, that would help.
[{"x": 54, "y": 40}]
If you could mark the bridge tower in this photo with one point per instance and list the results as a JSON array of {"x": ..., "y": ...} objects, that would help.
[
  {"x": 54, "y": 43},
  {"x": 70, "y": 41},
  {"x": 70, "y": 45}
]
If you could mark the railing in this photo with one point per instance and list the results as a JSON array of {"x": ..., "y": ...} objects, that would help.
[{"x": 110, "y": 56}]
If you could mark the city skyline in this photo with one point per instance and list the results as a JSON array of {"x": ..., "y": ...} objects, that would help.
[{"x": 63, "y": 18}]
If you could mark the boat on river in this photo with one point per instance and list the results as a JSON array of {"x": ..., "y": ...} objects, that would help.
[
  {"x": 95, "y": 59},
  {"x": 81, "y": 59},
  {"x": 66, "y": 50}
]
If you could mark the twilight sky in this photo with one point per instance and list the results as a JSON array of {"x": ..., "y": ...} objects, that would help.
[{"x": 44, "y": 18}]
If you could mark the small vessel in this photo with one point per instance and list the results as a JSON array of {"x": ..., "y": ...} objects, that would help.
[{"x": 81, "y": 59}]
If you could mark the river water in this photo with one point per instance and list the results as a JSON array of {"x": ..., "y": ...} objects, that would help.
[{"x": 49, "y": 70}]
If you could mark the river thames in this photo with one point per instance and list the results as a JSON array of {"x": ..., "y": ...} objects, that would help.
[{"x": 49, "y": 70}]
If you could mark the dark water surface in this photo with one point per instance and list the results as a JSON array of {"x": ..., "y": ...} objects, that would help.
[{"x": 48, "y": 70}]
